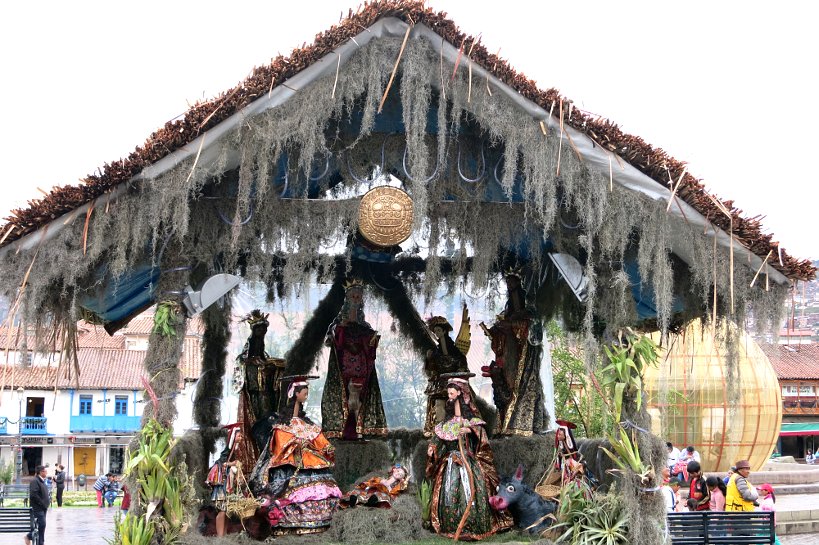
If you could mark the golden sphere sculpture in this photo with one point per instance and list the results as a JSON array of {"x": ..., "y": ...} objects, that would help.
[{"x": 694, "y": 399}]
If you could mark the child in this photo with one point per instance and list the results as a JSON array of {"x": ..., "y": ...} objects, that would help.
[
  {"x": 767, "y": 501},
  {"x": 678, "y": 506},
  {"x": 718, "y": 491}
]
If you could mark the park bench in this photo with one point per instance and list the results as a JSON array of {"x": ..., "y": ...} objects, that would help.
[
  {"x": 14, "y": 492},
  {"x": 720, "y": 527},
  {"x": 18, "y": 520}
]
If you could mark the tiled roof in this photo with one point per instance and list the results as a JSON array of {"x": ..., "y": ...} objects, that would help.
[
  {"x": 794, "y": 361},
  {"x": 652, "y": 161},
  {"x": 101, "y": 368},
  {"x": 143, "y": 324}
]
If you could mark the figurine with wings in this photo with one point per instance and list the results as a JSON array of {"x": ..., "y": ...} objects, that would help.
[{"x": 448, "y": 357}]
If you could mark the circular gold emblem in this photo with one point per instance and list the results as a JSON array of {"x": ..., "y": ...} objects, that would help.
[{"x": 385, "y": 216}]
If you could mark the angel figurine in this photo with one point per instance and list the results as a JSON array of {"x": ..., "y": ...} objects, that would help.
[{"x": 448, "y": 357}]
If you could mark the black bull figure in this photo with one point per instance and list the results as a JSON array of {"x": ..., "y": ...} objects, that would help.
[{"x": 529, "y": 510}]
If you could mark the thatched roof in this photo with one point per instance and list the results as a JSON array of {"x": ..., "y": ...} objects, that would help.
[{"x": 201, "y": 117}]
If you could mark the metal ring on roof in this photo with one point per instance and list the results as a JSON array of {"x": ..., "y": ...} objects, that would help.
[
  {"x": 374, "y": 281},
  {"x": 324, "y": 173},
  {"x": 480, "y": 176},
  {"x": 409, "y": 176},
  {"x": 227, "y": 221},
  {"x": 381, "y": 167}
]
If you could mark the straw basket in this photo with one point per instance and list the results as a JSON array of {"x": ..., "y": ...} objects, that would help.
[
  {"x": 549, "y": 488},
  {"x": 241, "y": 507}
]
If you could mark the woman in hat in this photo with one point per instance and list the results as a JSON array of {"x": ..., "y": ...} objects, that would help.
[
  {"x": 567, "y": 458},
  {"x": 448, "y": 357},
  {"x": 741, "y": 493},
  {"x": 461, "y": 468},
  {"x": 299, "y": 474}
]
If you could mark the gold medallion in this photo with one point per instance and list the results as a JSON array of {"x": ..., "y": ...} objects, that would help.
[{"x": 385, "y": 216}]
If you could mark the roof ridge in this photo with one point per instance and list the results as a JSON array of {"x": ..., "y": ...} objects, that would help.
[{"x": 204, "y": 115}]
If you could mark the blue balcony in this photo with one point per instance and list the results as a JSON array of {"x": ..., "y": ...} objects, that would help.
[
  {"x": 34, "y": 425},
  {"x": 100, "y": 424},
  {"x": 3, "y": 424}
]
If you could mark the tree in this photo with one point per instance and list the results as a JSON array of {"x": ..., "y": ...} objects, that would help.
[{"x": 577, "y": 397}]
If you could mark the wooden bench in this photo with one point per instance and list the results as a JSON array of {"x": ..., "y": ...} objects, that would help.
[
  {"x": 18, "y": 520},
  {"x": 720, "y": 527},
  {"x": 14, "y": 492}
]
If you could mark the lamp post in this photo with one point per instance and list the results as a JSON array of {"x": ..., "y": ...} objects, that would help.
[{"x": 19, "y": 468}]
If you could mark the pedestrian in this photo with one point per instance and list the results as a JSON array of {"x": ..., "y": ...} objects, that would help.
[
  {"x": 59, "y": 482},
  {"x": 677, "y": 502},
  {"x": 111, "y": 491},
  {"x": 100, "y": 487},
  {"x": 718, "y": 490},
  {"x": 698, "y": 496},
  {"x": 673, "y": 455},
  {"x": 728, "y": 477},
  {"x": 126, "y": 500},
  {"x": 768, "y": 503},
  {"x": 810, "y": 457},
  {"x": 741, "y": 494},
  {"x": 38, "y": 500}
]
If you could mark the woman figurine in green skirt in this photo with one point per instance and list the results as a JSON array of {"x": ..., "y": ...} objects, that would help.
[{"x": 461, "y": 468}]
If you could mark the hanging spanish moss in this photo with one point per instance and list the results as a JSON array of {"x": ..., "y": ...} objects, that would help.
[{"x": 208, "y": 400}]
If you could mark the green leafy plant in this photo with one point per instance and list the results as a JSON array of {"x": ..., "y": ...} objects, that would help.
[
  {"x": 425, "y": 499},
  {"x": 604, "y": 522},
  {"x": 132, "y": 530},
  {"x": 572, "y": 503},
  {"x": 160, "y": 490},
  {"x": 166, "y": 318},
  {"x": 623, "y": 375},
  {"x": 626, "y": 454},
  {"x": 6, "y": 471}
]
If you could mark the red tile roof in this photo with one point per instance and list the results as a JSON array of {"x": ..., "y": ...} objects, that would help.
[
  {"x": 794, "y": 362},
  {"x": 100, "y": 368},
  {"x": 652, "y": 161}
]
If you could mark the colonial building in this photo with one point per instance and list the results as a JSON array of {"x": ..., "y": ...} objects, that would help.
[
  {"x": 84, "y": 416},
  {"x": 797, "y": 367}
]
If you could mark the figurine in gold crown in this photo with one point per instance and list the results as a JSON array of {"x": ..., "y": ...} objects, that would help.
[
  {"x": 448, "y": 357},
  {"x": 516, "y": 342},
  {"x": 257, "y": 381},
  {"x": 351, "y": 405}
]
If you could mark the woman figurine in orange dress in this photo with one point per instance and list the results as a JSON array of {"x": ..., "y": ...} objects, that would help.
[
  {"x": 298, "y": 475},
  {"x": 379, "y": 492}
]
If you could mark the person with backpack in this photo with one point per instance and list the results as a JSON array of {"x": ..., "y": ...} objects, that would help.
[{"x": 59, "y": 483}]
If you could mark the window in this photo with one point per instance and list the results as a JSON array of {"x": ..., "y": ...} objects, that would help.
[
  {"x": 85, "y": 405},
  {"x": 121, "y": 405}
]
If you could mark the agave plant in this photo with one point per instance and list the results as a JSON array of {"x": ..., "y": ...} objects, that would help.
[{"x": 604, "y": 522}]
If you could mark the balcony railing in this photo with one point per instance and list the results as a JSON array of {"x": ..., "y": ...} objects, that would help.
[
  {"x": 99, "y": 424},
  {"x": 3, "y": 425},
  {"x": 34, "y": 425},
  {"x": 800, "y": 405}
]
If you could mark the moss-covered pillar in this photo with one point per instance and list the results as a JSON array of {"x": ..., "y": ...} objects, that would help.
[{"x": 208, "y": 400}]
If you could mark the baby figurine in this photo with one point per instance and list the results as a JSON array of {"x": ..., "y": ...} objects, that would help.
[{"x": 379, "y": 492}]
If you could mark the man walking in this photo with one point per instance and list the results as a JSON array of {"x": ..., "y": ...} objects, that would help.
[{"x": 38, "y": 500}]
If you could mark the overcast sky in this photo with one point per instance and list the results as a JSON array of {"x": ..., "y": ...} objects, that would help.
[{"x": 728, "y": 87}]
